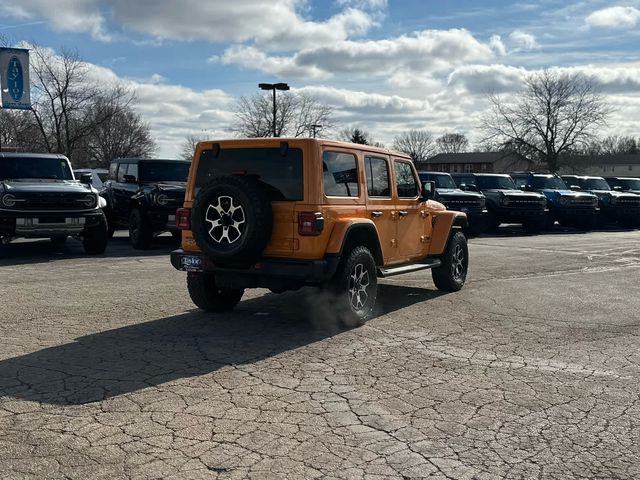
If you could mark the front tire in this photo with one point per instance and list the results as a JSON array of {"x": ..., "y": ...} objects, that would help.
[
  {"x": 140, "y": 231},
  {"x": 94, "y": 239},
  {"x": 451, "y": 275},
  {"x": 206, "y": 295},
  {"x": 355, "y": 286}
]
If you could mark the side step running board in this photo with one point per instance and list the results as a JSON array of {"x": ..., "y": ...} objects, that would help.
[{"x": 414, "y": 267}]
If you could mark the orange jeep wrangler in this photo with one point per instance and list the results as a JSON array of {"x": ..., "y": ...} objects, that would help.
[{"x": 285, "y": 213}]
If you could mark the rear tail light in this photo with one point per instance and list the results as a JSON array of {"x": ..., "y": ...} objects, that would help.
[
  {"x": 183, "y": 218},
  {"x": 310, "y": 223}
]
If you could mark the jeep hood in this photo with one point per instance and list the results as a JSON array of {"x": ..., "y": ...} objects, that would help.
[
  {"x": 446, "y": 192},
  {"x": 171, "y": 187}
]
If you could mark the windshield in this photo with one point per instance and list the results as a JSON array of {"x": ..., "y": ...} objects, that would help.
[
  {"x": 164, "y": 171},
  {"x": 630, "y": 184},
  {"x": 595, "y": 184},
  {"x": 441, "y": 181},
  {"x": 35, "y": 167},
  {"x": 495, "y": 182},
  {"x": 550, "y": 183}
]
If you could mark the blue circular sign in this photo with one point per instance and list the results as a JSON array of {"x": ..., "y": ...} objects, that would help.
[{"x": 15, "y": 78}]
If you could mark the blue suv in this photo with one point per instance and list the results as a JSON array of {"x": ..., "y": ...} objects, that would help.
[{"x": 568, "y": 207}]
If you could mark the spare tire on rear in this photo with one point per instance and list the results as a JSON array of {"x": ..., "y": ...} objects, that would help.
[{"x": 232, "y": 220}]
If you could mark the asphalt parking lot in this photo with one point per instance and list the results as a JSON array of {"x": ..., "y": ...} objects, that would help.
[{"x": 531, "y": 371}]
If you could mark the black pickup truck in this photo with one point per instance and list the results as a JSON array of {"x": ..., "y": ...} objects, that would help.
[
  {"x": 142, "y": 196},
  {"x": 40, "y": 198},
  {"x": 505, "y": 202}
]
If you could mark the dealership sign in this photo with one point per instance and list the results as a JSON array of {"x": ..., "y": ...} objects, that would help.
[{"x": 14, "y": 78}]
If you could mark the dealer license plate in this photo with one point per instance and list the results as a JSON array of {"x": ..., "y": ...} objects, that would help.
[{"x": 191, "y": 263}]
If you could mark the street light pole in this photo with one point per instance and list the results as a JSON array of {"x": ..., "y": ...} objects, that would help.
[{"x": 274, "y": 87}]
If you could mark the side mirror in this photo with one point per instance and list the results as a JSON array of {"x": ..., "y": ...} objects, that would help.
[
  {"x": 575, "y": 188},
  {"x": 86, "y": 178},
  {"x": 428, "y": 190},
  {"x": 472, "y": 187},
  {"x": 129, "y": 179}
]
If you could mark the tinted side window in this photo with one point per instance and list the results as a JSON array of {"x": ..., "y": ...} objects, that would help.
[
  {"x": 377, "y": 171},
  {"x": 133, "y": 170},
  {"x": 406, "y": 182},
  {"x": 520, "y": 181},
  {"x": 340, "y": 174},
  {"x": 113, "y": 168},
  {"x": 122, "y": 171}
]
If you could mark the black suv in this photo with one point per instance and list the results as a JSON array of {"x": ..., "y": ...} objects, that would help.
[
  {"x": 40, "y": 198},
  {"x": 505, "y": 202},
  {"x": 624, "y": 184},
  {"x": 447, "y": 193},
  {"x": 618, "y": 207},
  {"x": 143, "y": 195},
  {"x": 570, "y": 208}
]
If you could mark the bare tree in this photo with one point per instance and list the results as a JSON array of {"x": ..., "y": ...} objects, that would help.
[
  {"x": 452, "y": 143},
  {"x": 18, "y": 132},
  {"x": 554, "y": 114},
  {"x": 617, "y": 144},
  {"x": 189, "y": 146},
  {"x": 418, "y": 144},
  {"x": 120, "y": 133},
  {"x": 297, "y": 115},
  {"x": 67, "y": 106}
]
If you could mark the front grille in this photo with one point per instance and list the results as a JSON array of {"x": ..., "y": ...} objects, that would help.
[
  {"x": 629, "y": 202},
  {"x": 462, "y": 203},
  {"x": 580, "y": 202},
  {"x": 50, "y": 201}
]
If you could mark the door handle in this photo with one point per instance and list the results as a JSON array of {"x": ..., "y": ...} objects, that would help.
[
  {"x": 403, "y": 213},
  {"x": 376, "y": 214}
]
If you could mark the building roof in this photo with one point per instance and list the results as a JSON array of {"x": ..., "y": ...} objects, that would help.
[
  {"x": 470, "y": 157},
  {"x": 618, "y": 159}
]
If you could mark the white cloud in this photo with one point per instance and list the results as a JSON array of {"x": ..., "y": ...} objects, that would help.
[
  {"x": 497, "y": 45},
  {"x": 614, "y": 17},
  {"x": 523, "y": 40},
  {"x": 66, "y": 15},
  {"x": 421, "y": 52},
  {"x": 484, "y": 79},
  {"x": 274, "y": 24}
]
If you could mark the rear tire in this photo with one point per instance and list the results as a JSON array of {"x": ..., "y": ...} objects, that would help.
[
  {"x": 355, "y": 286},
  {"x": 452, "y": 273},
  {"x": 140, "y": 232},
  {"x": 206, "y": 295},
  {"x": 94, "y": 239}
]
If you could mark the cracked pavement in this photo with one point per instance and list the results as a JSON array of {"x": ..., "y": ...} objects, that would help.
[{"x": 531, "y": 371}]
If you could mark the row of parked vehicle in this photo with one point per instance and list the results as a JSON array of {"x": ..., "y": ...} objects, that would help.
[
  {"x": 538, "y": 200},
  {"x": 286, "y": 213}
]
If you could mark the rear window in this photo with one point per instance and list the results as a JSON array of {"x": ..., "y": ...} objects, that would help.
[
  {"x": 163, "y": 171},
  {"x": 280, "y": 175}
]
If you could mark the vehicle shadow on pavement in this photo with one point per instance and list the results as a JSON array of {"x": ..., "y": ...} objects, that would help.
[
  {"x": 128, "y": 359},
  {"x": 43, "y": 251}
]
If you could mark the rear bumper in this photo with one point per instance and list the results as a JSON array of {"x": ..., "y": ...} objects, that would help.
[{"x": 267, "y": 273}]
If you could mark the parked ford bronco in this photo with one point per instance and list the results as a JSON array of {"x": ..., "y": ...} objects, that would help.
[
  {"x": 142, "y": 195},
  {"x": 285, "y": 213},
  {"x": 452, "y": 197},
  {"x": 622, "y": 208},
  {"x": 40, "y": 198},
  {"x": 624, "y": 184},
  {"x": 569, "y": 208},
  {"x": 505, "y": 202}
]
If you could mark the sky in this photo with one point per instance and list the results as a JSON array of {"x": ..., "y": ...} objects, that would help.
[{"x": 385, "y": 66}]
